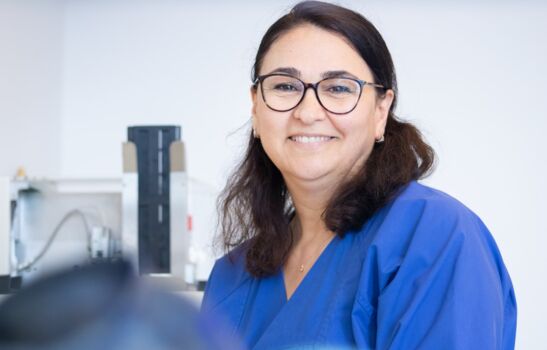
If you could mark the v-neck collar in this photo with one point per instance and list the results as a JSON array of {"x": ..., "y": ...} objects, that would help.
[
  {"x": 280, "y": 322},
  {"x": 308, "y": 274}
]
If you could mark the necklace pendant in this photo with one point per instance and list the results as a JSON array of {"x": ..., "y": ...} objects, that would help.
[{"x": 301, "y": 269}]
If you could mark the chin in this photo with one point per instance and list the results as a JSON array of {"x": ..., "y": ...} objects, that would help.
[{"x": 309, "y": 175}]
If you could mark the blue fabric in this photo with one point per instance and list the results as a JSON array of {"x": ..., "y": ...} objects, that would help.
[{"x": 422, "y": 273}]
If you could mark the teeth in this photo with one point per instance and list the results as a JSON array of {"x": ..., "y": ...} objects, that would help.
[{"x": 310, "y": 139}]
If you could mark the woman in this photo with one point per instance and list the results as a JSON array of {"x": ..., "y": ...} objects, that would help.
[{"x": 336, "y": 244}]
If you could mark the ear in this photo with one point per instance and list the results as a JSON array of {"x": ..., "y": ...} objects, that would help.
[
  {"x": 383, "y": 104},
  {"x": 254, "y": 96},
  {"x": 254, "y": 100}
]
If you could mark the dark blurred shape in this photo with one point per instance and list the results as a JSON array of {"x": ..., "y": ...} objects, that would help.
[
  {"x": 104, "y": 306},
  {"x": 9, "y": 284}
]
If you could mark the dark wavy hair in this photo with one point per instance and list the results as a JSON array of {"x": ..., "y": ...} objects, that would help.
[{"x": 255, "y": 208}]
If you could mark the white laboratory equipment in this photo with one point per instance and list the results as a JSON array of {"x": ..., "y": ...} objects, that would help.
[{"x": 50, "y": 223}]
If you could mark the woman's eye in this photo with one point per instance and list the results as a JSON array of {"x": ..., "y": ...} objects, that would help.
[
  {"x": 339, "y": 89},
  {"x": 285, "y": 87}
]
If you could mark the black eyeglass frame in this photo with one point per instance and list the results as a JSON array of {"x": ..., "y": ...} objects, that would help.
[{"x": 362, "y": 84}]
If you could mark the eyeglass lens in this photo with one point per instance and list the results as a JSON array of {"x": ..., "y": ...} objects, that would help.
[{"x": 337, "y": 95}]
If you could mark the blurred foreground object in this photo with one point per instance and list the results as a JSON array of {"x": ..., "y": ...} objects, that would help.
[{"x": 104, "y": 306}]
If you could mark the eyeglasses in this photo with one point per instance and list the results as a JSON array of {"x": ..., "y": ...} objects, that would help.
[{"x": 282, "y": 92}]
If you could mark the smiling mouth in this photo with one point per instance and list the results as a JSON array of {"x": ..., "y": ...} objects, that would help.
[{"x": 310, "y": 139}]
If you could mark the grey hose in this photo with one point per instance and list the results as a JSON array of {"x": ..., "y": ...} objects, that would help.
[{"x": 53, "y": 235}]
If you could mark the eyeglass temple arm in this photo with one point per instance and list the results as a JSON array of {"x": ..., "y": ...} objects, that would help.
[{"x": 372, "y": 84}]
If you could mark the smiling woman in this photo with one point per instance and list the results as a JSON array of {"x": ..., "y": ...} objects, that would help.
[
  {"x": 334, "y": 242},
  {"x": 341, "y": 118}
]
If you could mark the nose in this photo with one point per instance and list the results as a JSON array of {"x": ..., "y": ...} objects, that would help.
[{"x": 309, "y": 110}]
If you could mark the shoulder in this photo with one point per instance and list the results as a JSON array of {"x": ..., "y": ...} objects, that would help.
[
  {"x": 433, "y": 264},
  {"x": 419, "y": 228},
  {"x": 424, "y": 230},
  {"x": 422, "y": 198},
  {"x": 421, "y": 210},
  {"x": 231, "y": 266},
  {"x": 228, "y": 275}
]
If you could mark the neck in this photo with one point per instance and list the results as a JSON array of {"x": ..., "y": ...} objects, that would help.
[{"x": 310, "y": 204}]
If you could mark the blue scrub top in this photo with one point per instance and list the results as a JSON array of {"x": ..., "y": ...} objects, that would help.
[{"x": 422, "y": 273}]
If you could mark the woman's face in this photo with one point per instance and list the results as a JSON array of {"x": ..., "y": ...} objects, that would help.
[{"x": 308, "y": 143}]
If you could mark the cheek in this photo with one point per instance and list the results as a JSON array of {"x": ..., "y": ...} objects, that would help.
[
  {"x": 356, "y": 127},
  {"x": 269, "y": 128},
  {"x": 264, "y": 119},
  {"x": 272, "y": 132},
  {"x": 273, "y": 148},
  {"x": 270, "y": 124},
  {"x": 358, "y": 133}
]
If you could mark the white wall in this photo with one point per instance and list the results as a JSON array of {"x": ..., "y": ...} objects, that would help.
[
  {"x": 154, "y": 63},
  {"x": 31, "y": 33},
  {"x": 472, "y": 75}
]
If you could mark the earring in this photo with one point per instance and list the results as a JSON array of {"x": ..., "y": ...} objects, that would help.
[
  {"x": 380, "y": 140},
  {"x": 255, "y": 135}
]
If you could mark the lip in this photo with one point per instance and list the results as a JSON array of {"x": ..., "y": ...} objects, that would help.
[{"x": 310, "y": 135}]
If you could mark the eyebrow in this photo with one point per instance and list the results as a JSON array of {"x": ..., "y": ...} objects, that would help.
[
  {"x": 337, "y": 74},
  {"x": 328, "y": 74},
  {"x": 286, "y": 70}
]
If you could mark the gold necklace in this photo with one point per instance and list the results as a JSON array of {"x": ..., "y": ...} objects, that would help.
[{"x": 323, "y": 246}]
